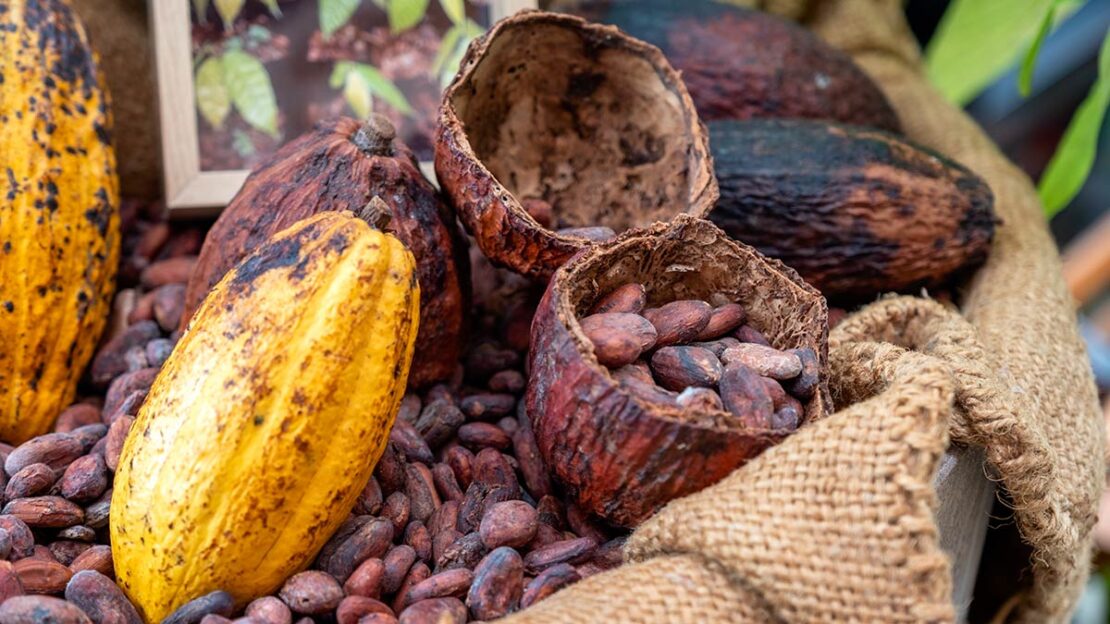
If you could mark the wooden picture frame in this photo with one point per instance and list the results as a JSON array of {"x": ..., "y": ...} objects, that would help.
[{"x": 189, "y": 190}]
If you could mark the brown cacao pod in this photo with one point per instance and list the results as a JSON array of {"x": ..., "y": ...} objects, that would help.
[
  {"x": 619, "y": 455},
  {"x": 594, "y": 124},
  {"x": 342, "y": 165},
  {"x": 855, "y": 211}
]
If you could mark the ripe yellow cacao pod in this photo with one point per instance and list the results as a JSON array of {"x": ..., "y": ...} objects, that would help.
[
  {"x": 59, "y": 217},
  {"x": 268, "y": 418}
]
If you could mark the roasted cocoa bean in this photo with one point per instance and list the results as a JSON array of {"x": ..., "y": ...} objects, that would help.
[
  {"x": 311, "y": 592},
  {"x": 478, "y": 435},
  {"x": 486, "y": 359},
  {"x": 488, "y": 406},
  {"x": 417, "y": 573},
  {"x": 80, "y": 533},
  {"x": 117, "y": 435},
  {"x": 630, "y": 298},
  {"x": 390, "y": 471},
  {"x": 548, "y": 582},
  {"x": 446, "y": 517},
  {"x": 717, "y": 346},
  {"x": 464, "y": 552},
  {"x": 805, "y": 384},
  {"x": 618, "y": 338},
  {"x": 610, "y": 554},
  {"x": 41, "y": 610},
  {"x": 30, "y": 481},
  {"x": 370, "y": 499},
  {"x": 5, "y": 545},
  {"x": 507, "y": 381},
  {"x": 583, "y": 525},
  {"x": 435, "y": 611},
  {"x": 786, "y": 418},
  {"x": 446, "y": 484},
  {"x": 509, "y": 523},
  {"x": 52, "y": 512},
  {"x": 354, "y": 608},
  {"x": 749, "y": 334},
  {"x": 454, "y": 582},
  {"x": 745, "y": 396},
  {"x": 420, "y": 539},
  {"x": 438, "y": 422},
  {"x": 679, "y": 367},
  {"x": 722, "y": 320},
  {"x": 9, "y": 581},
  {"x": 66, "y": 551},
  {"x": 77, "y": 415},
  {"x": 366, "y": 580},
  {"x": 766, "y": 361},
  {"x": 270, "y": 609},
  {"x": 700, "y": 399},
  {"x": 497, "y": 586},
  {"x": 648, "y": 391},
  {"x": 109, "y": 361},
  {"x": 85, "y": 479},
  {"x": 124, "y": 386},
  {"x": 678, "y": 321},
  {"x": 40, "y": 576},
  {"x": 56, "y": 450},
  {"x": 101, "y": 599},
  {"x": 527, "y": 452},
  {"x": 158, "y": 351},
  {"x": 370, "y": 540},
  {"x": 461, "y": 462},
  {"x": 96, "y": 515},
  {"x": 442, "y": 541},
  {"x": 421, "y": 492},
  {"x": 218, "y": 602},
  {"x": 169, "y": 303},
  {"x": 97, "y": 558},
  {"x": 410, "y": 443},
  {"x": 395, "y": 567},
  {"x": 396, "y": 509},
  {"x": 22, "y": 540},
  {"x": 572, "y": 551},
  {"x": 89, "y": 435},
  {"x": 169, "y": 271}
]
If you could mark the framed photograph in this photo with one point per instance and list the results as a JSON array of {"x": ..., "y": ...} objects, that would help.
[{"x": 237, "y": 78}]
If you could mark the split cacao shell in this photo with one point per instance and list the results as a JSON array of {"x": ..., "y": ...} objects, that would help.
[
  {"x": 623, "y": 457},
  {"x": 343, "y": 164},
  {"x": 581, "y": 116}
]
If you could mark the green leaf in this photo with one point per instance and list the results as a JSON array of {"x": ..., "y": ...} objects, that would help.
[
  {"x": 213, "y": 100},
  {"x": 242, "y": 144},
  {"x": 334, "y": 14},
  {"x": 228, "y": 10},
  {"x": 200, "y": 7},
  {"x": 357, "y": 94},
  {"x": 451, "y": 66},
  {"x": 1025, "y": 78},
  {"x": 455, "y": 10},
  {"x": 339, "y": 74},
  {"x": 404, "y": 14},
  {"x": 272, "y": 7},
  {"x": 1075, "y": 155},
  {"x": 251, "y": 91},
  {"x": 447, "y": 46},
  {"x": 382, "y": 87}
]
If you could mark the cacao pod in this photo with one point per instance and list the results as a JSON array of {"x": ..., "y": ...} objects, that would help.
[
  {"x": 855, "y": 211},
  {"x": 342, "y": 165},
  {"x": 266, "y": 421},
  {"x": 59, "y": 212}
]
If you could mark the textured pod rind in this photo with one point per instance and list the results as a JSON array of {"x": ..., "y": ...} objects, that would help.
[
  {"x": 618, "y": 456},
  {"x": 855, "y": 211},
  {"x": 268, "y": 418},
  {"x": 739, "y": 63},
  {"x": 59, "y": 212},
  {"x": 341, "y": 165},
  {"x": 646, "y": 153}
]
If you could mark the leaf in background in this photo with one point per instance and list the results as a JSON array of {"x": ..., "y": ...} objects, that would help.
[
  {"x": 251, "y": 91},
  {"x": 242, "y": 144},
  {"x": 455, "y": 10},
  {"x": 404, "y": 14},
  {"x": 339, "y": 74},
  {"x": 272, "y": 7},
  {"x": 228, "y": 10},
  {"x": 382, "y": 87},
  {"x": 1025, "y": 78},
  {"x": 451, "y": 66},
  {"x": 447, "y": 47},
  {"x": 357, "y": 94},
  {"x": 200, "y": 7},
  {"x": 334, "y": 14},
  {"x": 1075, "y": 155},
  {"x": 212, "y": 98}
]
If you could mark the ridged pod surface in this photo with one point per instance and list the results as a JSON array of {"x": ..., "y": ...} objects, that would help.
[
  {"x": 268, "y": 418},
  {"x": 59, "y": 218}
]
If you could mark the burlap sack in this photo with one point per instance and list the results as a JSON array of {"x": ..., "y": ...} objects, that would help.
[{"x": 837, "y": 523}]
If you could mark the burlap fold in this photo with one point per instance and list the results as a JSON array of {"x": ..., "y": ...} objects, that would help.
[{"x": 836, "y": 523}]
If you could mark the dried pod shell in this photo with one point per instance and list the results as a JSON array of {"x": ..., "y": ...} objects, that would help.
[
  {"x": 344, "y": 164},
  {"x": 592, "y": 121},
  {"x": 620, "y": 456}
]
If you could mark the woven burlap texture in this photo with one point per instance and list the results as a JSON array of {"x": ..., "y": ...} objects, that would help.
[{"x": 836, "y": 523}]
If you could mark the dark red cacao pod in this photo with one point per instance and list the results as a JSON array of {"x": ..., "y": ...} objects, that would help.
[
  {"x": 741, "y": 63},
  {"x": 593, "y": 123},
  {"x": 618, "y": 455},
  {"x": 342, "y": 164}
]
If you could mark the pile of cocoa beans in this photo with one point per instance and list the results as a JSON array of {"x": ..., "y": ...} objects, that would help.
[
  {"x": 460, "y": 521},
  {"x": 690, "y": 353}
]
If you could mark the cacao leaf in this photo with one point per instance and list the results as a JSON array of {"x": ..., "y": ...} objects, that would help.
[
  {"x": 1025, "y": 77},
  {"x": 334, "y": 14},
  {"x": 455, "y": 10},
  {"x": 447, "y": 46},
  {"x": 404, "y": 14},
  {"x": 251, "y": 91},
  {"x": 272, "y": 7},
  {"x": 200, "y": 7},
  {"x": 452, "y": 64},
  {"x": 228, "y": 10},
  {"x": 213, "y": 100},
  {"x": 339, "y": 74},
  {"x": 357, "y": 94},
  {"x": 1075, "y": 155},
  {"x": 383, "y": 87}
]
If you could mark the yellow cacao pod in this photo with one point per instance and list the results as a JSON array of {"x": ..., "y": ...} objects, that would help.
[
  {"x": 59, "y": 217},
  {"x": 268, "y": 418}
]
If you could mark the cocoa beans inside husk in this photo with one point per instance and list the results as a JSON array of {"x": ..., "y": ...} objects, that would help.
[{"x": 620, "y": 454}]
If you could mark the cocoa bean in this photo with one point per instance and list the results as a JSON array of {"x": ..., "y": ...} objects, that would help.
[
  {"x": 766, "y": 361},
  {"x": 101, "y": 599},
  {"x": 583, "y": 525},
  {"x": 366, "y": 580},
  {"x": 9, "y": 581},
  {"x": 395, "y": 567},
  {"x": 493, "y": 469},
  {"x": 539, "y": 210},
  {"x": 218, "y": 602},
  {"x": 786, "y": 419},
  {"x": 486, "y": 359},
  {"x": 43, "y": 553},
  {"x": 509, "y": 523},
  {"x": 610, "y": 554},
  {"x": 56, "y": 450},
  {"x": 497, "y": 586},
  {"x": 509, "y": 425},
  {"x": 548, "y": 582},
  {"x": 22, "y": 540},
  {"x": 618, "y": 338},
  {"x": 745, "y": 396},
  {"x": 152, "y": 240},
  {"x": 443, "y": 540},
  {"x": 30, "y": 481},
  {"x": 435, "y": 611},
  {"x": 45, "y": 512},
  {"x": 446, "y": 517},
  {"x": 454, "y": 582},
  {"x": 701, "y": 399},
  {"x": 66, "y": 551},
  {"x": 80, "y": 533},
  {"x": 722, "y": 320},
  {"x": 41, "y": 610},
  {"x": 477, "y": 435},
  {"x": 551, "y": 511},
  {"x": 774, "y": 389},
  {"x": 373, "y": 618},
  {"x": 648, "y": 391},
  {"x": 464, "y": 552},
  {"x": 438, "y": 422},
  {"x": 213, "y": 618},
  {"x": 169, "y": 271},
  {"x": 370, "y": 499},
  {"x": 97, "y": 558},
  {"x": 636, "y": 371},
  {"x": 630, "y": 298},
  {"x": 39, "y": 576},
  {"x": 89, "y": 435},
  {"x": 446, "y": 484},
  {"x": 410, "y": 443},
  {"x": 390, "y": 471},
  {"x": 527, "y": 452},
  {"x": 345, "y": 530},
  {"x": 109, "y": 361},
  {"x": 96, "y": 515},
  {"x": 158, "y": 351},
  {"x": 169, "y": 304},
  {"x": 129, "y": 407},
  {"x": 354, "y": 608},
  {"x": 136, "y": 359},
  {"x": 122, "y": 387},
  {"x": 117, "y": 435},
  {"x": 144, "y": 309},
  {"x": 596, "y": 233},
  {"x": 805, "y": 384},
  {"x": 396, "y": 509},
  {"x": 311, "y": 592},
  {"x": 488, "y": 406},
  {"x": 5, "y": 545},
  {"x": 85, "y": 479},
  {"x": 678, "y": 321},
  {"x": 679, "y": 367},
  {"x": 574, "y": 550},
  {"x": 749, "y": 334},
  {"x": 77, "y": 415},
  {"x": 507, "y": 381},
  {"x": 421, "y": 492},
  {"x": 417, "y": 573},
  {"x": 420, "y": 539},
  {"x": 370, "y": 540},
  {"x": 717, "y": 346},
  {"x": 410, "y": 408}
]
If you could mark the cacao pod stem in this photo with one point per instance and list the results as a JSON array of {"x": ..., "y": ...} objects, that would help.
[
  {"x": 375, "y": 136},
  {"x": 377, "y": 213}
]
